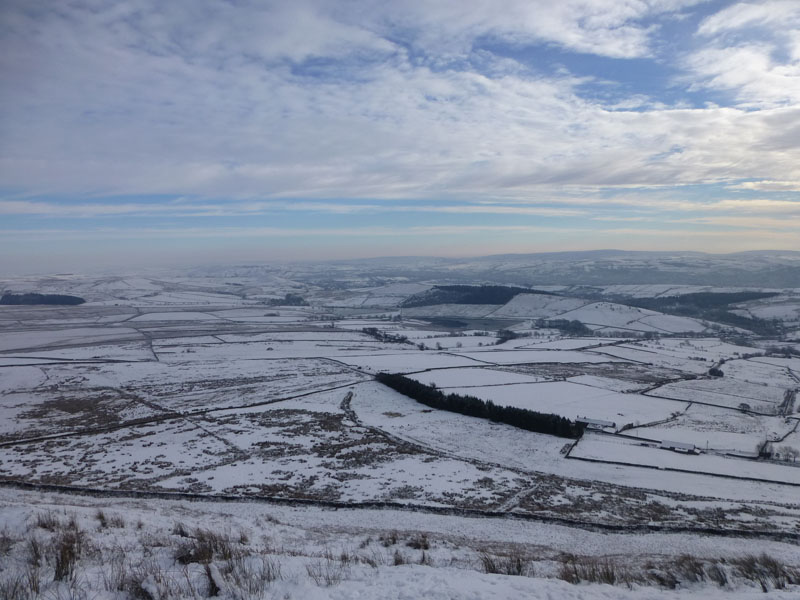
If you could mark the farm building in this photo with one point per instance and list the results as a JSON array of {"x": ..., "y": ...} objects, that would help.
[
  {"x": 595, "y": 423},
  {"x": 679, "y": 447}
]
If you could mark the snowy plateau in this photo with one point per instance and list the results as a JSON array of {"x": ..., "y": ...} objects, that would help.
[{"x": 221, "y": 433}]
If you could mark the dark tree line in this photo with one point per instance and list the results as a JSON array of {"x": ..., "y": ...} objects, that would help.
[
  {"x": 55, "y": 299},
  {"x": 565, "y": 326},
  {"x": 699, "y": 300},
  {"x": 505, "y": 335},
  {"x": 382, "y": 336},
  {"x": 787, "y": 351},
  {"x": 486, "y": 409}
]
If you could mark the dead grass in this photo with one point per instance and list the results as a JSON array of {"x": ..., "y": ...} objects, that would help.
[
  {"x": 514, "y": 564},
  {"x": 249, "y": 576},
  {"x": 47, "y": 520},
  {"x": 388, "y": 539},
  {"x": 768, "y": 571},
  {"x": 326, "y": 572},
  {"x": 204, "y": 546},
  {"x": 7, "y": 541},
  {"x": 112, "y": 520},
  {"x": 68, "y": 547},
  {"x": 592, "y": 569},
  {"x": 14, "y": 587},
  {"x": 419, "y": 542}
]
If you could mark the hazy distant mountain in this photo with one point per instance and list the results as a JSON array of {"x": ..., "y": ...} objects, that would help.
[{"x": 773, "y": 269}]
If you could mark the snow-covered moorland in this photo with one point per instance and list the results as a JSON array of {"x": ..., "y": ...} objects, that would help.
[{"x": 187, "y": 437}]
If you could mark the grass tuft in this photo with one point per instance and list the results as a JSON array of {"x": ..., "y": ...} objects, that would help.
[
  {"x": 47, "y": 520},
  {"x": 514, "y": 563}
]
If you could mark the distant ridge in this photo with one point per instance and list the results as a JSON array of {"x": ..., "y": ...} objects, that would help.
[{"x": 751, "y": 269}]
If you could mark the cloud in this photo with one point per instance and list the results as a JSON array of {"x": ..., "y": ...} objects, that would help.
[
  {"x": 757, "y": 205},
  {"x": 651, "y": 206},
  {"x": 750, "y": 71},
  {"x": 460, "y": 240},
  {"x": 750, "y": 14},
  {"x": 254, "y": 107},
  {"x": 613, "y": 28},
  {"x": 751, "y": 222},
  {"x": 254, "y": 208},
  {"x": 769, "y": 186},
  {"x": 752, "y": 50}
]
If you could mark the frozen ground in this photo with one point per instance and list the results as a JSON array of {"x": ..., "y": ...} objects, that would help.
[
  {"x": 195, "y": 386},
  {"x": 619, "y": 450},
  {"x": 143, "y": 548}
]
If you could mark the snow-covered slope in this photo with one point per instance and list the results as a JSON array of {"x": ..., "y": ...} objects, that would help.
[
  {"x": 538, "y": 306},
  {"x": 598, "y": 315},
  {"x": 620, "y": 316},
  {"x": 469, "y": 311}
]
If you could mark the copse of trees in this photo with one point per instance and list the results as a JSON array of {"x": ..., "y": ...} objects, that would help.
[
  {"x": 31, "y": 299},
  {"x": 382, "y": 336},
  {"x": 787, "y": 351},
  {"x": 505, "y": 335},
  {"x": 287, "y": 300},
  {"x": 475, "y": 407},
  {"x": 565, "y": 326}
]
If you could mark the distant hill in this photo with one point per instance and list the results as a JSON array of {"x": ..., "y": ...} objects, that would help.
[{"x": 754, "y": 269}]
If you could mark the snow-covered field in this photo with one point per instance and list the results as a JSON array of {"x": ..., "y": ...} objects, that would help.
[
  {"x": 196, "y": 386},
  {"x": 574, "y": 400},
  {"x": 516, "y": 357},
  {"x": 630, "y": 451}
]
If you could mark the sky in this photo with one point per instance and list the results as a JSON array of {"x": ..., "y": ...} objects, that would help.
[{"x": 191, "y": 131}]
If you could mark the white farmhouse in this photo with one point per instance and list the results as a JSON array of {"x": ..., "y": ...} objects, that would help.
[{"x": 679, "y": 447}]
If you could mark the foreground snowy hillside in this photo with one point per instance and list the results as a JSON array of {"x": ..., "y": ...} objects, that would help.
[{"x": 84, "y": 547}]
